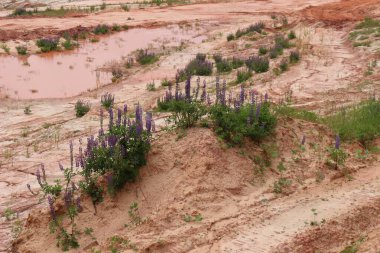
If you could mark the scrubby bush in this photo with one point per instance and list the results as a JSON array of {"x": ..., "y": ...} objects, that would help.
[
  {"x": 166, "y": 83},
  {"x": 199, "y": 66},
  {"x": 230, "y": 37},
  {"x": 284, "y": 65},
  {"x": 284, "y": 43},
  {"x": 48, "y": 44},
  {"x": 117, "y": 154},
  {"x": 101, "y": 29},
  {"x": 144, "y": 57},
  {"x": 243, "y": 75},
  {"x": 21, "y": 12},
  {"x": 263, "y": 50},
  {"x": 255, "y": 121},
  {"x": 258, "y": 27},
  {"x": 368, "y": 23},
  {"x": 151, "y": 86},
  {"x": 276, "y": 51},
  {"x": 81, "y": 108},
  {"x": 185, "y": 114},
  {"x": 68, "y": 44},
  {"x": 116, "y": 28},
  {"x": 223, "y": 66},
  {"x": 294, "y": 57},
  {"x": 217, "y": 58},
  {"x": 361, "y": 122},
  {"x": 22, "y": 50},
  {"x": 257, "y": 64},
  {"x": 291, "y": 35},
  {"x": 107, "y": 100},
  {"x": 117, "y": 73},
  {"x": 236, "y": 62}
]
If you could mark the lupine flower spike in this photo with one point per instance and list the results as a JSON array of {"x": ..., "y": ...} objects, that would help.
[{"x": 337, "y": 142}]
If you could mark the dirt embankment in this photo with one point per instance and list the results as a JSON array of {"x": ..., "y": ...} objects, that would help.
[{"x": 339, "y": 13}]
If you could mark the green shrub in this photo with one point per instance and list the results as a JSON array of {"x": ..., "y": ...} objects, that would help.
[
  {"x": 116, "y": 28},
  {"x": 258, "y": 64},
  {"x": 287, "y": 111},
  {"x": 22, "y": 50},
  {"x": 185, "y": 113},
  {"x": 236, "y": 62},
  {"x": 281, "y": 41},
  {"x": 223, "y": 66},
  {"x": 284, "y": 65},
  {"x": 199, "y": 66},
  {"x": 81, "y": 108},
  {"x": 263, "y": 50},
  {"x": 107, "y": 100},
  {"x": 368, "y": 23},
  {"x": 120, "y": 160},
  {"x": 145, "y": 58},
  {"x": 252, "y": 121},
  {"x": 125, "y": 7},
  {"x": 166, "y": 83},
  {"x": 243, "y": 76},
  {"x": 151, "y": 86},
  {"x": 230, "y": 37},
  {"x": 294, "y": 57},
  {"x": 48, "y": 44},
  {"x": 68, "y": 44},
  {"x": 101, "y": 29},
  {"x": 217, "y": 58},
  {"x": 360, "y": 123},
  {"x": 291, "y": 35}
]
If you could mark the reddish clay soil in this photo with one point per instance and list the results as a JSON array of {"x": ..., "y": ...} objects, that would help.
[{"x": 194, "y": 172}]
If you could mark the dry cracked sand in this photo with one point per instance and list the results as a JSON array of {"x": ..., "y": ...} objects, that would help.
[{"x": 195, "y": 174}]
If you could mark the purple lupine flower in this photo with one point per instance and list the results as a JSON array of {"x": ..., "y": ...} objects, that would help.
[
  {"x": 252, "y": 98},
  {"x": 61, "y": 166},
  {"x": 139, "y": 123},
  {"x": 242, "y": 95},
  {"x": 258, "y": 111},
  {"x": 123, "y": 151},
  {"x": 229, "y": 98},
  {"x": 38, "y": 175},
  {"x": 251, "y": 114},
  {"x": 101, "y": 117},
  {"x": 104, "y": 145},
  {"x": 223, "y": 93},
  {"x": 73, "y": 186},
  {"x": 198, "y": 86},
  {"x": 337, "y": 141},
  {"x": 217, "y": 90},
  {"x": 237, "y": 105},
  {"x": 71, "y": 154},
  {"x": 303, "y": 140},
  {"x": 30, "y": 189},
  {"x": 76, "y": 162},
  {"x": 148, "y": 121},
  {"x": 101, "y": 132},
  {"x": 81, "y": 161},
  {"x": 204, "y": 92},
  {"x": 125, "y": 110},
  {"x": 266, "y": 97},
  {"x": 43, "y": 172},
  {"x": 112, "y": 140},
  {"x": 176, "y": 92},
  {"x": 119, "y": 113},
  {"x": 79, "y": 206},
  {"x": 52, "y": 209},
  {"x": 188, "y": 88},
  {"x": 110, "y": 112}
]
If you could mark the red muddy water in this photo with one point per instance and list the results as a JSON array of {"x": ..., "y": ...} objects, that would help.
[{"x": 65, "y": 74}]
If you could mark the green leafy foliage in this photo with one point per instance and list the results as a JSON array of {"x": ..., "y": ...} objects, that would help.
[{"x": 232, "y": 126}]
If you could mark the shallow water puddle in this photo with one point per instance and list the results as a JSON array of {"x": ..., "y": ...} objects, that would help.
[{"x": 65, "y": 74}]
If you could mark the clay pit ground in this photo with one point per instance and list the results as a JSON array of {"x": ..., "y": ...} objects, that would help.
[{"x": 197, "y": 173}]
